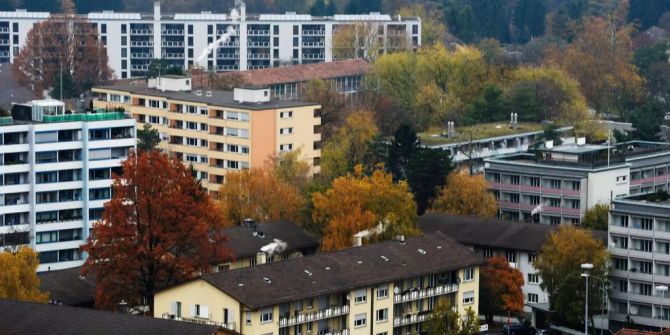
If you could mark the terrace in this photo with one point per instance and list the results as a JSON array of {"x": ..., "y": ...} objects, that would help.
[{"x": 465, "y": 134}]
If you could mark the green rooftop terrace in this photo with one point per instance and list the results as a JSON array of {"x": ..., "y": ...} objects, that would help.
[
  {"x": 476, "y": 132},
  {"x": 6, "y": 120},
  {"x": 100, "y": 115}
]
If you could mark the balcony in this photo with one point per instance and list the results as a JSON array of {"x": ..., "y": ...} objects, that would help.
[
  {"x": 313, "y": 44},
  {"x": 141, "y": 55},
  {"x": 202, "y": 321},
  {"x": 314, "y": 316},
  {"x": 258, "y": 44},
  {"x": 329, "y": 331},
  {"x": 170, "y": 55},
  {"x": 560, "y": 210},
  {"x": 313, "y": 56},
  {"x": 410, "y": 319},
  {"x": 139, "y": 67},
  {"x": 141, "y": 43},
  {"x": 313, "y": 32},
  {"x": 4, "y": 29},
  {"x": 141, "y": 32},
  {"x": 658, "y": 179},
  {"x": 259, "y": 56},
  {"x": 230, "y": 45},
  {"x": 173, "y": 44},
  {"x": 172, "y": 32},
  {"x": 4, "y": 42},
  {"x": 534, "y": 189},
  {"x": 6, "y": 120},
  {"x": 4, "y": 53},
  {"x": 220, "y": 32},
  {"x": 258, "y": 32},
  {"x": 257, "y": 67},
  {"x": 516, "y": 205},
  {"x": 425, "y": 293},
  {"x": 227, "y": 67},
  {"x": 227, "y": 56}
]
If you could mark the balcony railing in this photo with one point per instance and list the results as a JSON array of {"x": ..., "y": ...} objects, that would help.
[
  {"x": 258, "y": 44},
  {"x": 313, "y": 44},
  {"x": 172, "y": 32},
  {"x": 228, "y": 56},
  {"x": 4, "y": 53},
  {"x": 4, "y": 42},
  {"x": 221, "y": 32},
  {"x": 6, "y": 120},
  {"x": 425, "y": 293},
  {"x": 258, "y": 32},
  {"x": 177, "y": 44},
  {"x": 649, "y": 180},
  {"x": 171, "y": 55},
  {"x": 329, "y": 331},
  {"x": 516, "y": 205},
  {"x": 410, "y": 319},
  {"x": 141, "y": 31},
  {"x": 314, "y": 316},
  {"x": 313, "y": 32},
  {"x": 313, "y": 56},
  {"x": 141, "y": 44},
  {"x": 536, "y": 189},
  {"x": 259, "y": 56},
  {"x": 4, "y": 29},
  {"x": 202, "y": 321},
  {"x": 140, "y": 67},
  {"x": 560, "y": 210},
  {"x": 142, "y": 55},
  {"x": 227, "y": 67}
]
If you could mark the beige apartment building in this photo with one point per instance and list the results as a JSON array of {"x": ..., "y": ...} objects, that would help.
[
  {"x": 218, "y": 131},
  {"x": 380, "y": 289}
]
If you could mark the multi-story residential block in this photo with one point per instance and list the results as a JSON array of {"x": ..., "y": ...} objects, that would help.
[
  {"x": 258, "y": 243},
  {"x": 256, "y": 41},
  {"x": 519, "y": 242},
  {"x": 219, "y": 131},
  {"x": 557, "y": 184},
  {"x": 56, "y": 172},
  {"x": 639, "y": 245},
  {"x": 383, "y": 288}
]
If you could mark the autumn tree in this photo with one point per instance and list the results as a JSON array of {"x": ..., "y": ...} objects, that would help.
[
  {"x": 445, "y": 320},
  {"x": 159, "y": 229},
  {"x": 433, "y": 30},
  {"x": 466, "y": 195},
  {"x": 147, "y": 138},
  {"x": 500, "y": 290},
  {"x": 292, "y": 169},
  {"x": 356, "y": 41},
  {"x": 600, "y": 59},
  {"x": 332, "y": 105},
  {"x": 596, "y": 217},
  {"x": 259, "y": 194},
  {"x": 63, "y": 40},
  {"x": 558, "y": 265},
  {"x": 594, "y": 131},
  {"x": 18, "y": 278},
  {"x": 357, "y": 202},
  {"x": 349, "y": 145}
]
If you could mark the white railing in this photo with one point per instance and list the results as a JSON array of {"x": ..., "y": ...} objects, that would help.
[
  {"x": 173, "y": 43},
  {"x": 314, "y": 316},
  {"x": 202, "y": 321},
  {"x": 409, "y": 319},
  {"x": 141, "y": 43},
  {"x": 228, "y": 56},
  {"x": 259, "y": 56},
  {"x": 142, "y": 67},
  {"x": 257, "y": 67},
  {"x": 313, "y": 32},
  {"x": 4, "y": 29},
  {"x": 172, "y": 32},
  {"x": 425, "y": 293},
  {"x": 227, "y": 67},
  {"x": 4, "y": 54},
  {"x": 313, "y": 56},
  {"x": 230, "y": 44},
  {"x": 170, "y": 55},
  {"x": 344, "y": 331},
  {"x": 221, "y": 32},
  {"x": 258, "y": 44},
  {"x": 4, "y": 42},
  {"x": 313, "y": 44},
  {"x": 258, "y": 32},
  {"x": 141, "y": 31},
  {"x": 141, "y": 55}
]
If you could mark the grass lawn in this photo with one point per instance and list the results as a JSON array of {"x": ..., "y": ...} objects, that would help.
[{"x": 476, "y": 132}]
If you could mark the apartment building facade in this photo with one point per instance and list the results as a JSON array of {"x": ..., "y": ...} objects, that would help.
[
  {"x": 218, "y": 131},
  {"x": 255, "y": 41},
  {"x": 383, "y": 288},
  {"x": 56, "y": 172},
  {"x": 639, "y": 244}
]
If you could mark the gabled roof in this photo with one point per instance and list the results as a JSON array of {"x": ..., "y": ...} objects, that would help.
[
  {"x": 244, "y": 243},
  {"x": 492, "y": 233},
  {"x": 299, "y": 73},
  {"x": 69, "y": 287},
  {"x": 27, "y": 318},
  {"x": 300, "y": 278}
]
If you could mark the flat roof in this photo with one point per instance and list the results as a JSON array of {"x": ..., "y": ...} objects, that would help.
[
  {"x": 377, "y": 263},
  {"x": 245, "y": 242},
  {"x": 218, "y": 98},
  {"x": 576, "y": 148}
]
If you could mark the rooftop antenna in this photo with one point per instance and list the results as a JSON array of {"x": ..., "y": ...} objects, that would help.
[{"x": 61, "y": 81}]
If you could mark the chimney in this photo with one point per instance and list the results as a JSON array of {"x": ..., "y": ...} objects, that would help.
[
  {"x": 261, "y": 258},
  {"x": 401, "y": 239},
  {"x": 249, "y": 223},
  {"x": 358, "y": 240}
]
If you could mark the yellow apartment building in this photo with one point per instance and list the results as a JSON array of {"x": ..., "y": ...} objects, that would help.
[
  {"x": 381, "y": 289},
  {"x": 218, "y": 131}
]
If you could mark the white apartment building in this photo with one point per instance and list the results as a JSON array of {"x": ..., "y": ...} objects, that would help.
[
  {"x": 256, "y": 41},
  {"x": 56, "y": 171}
]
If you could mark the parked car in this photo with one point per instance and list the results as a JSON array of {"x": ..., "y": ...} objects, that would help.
[
  {"x": 483, "y": 329},
  {"x": 517, "y": 329}
]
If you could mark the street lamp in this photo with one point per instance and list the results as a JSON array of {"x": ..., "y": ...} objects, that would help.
[
  {"x": 586, "y": 267},
  {"x": 662, "y": 289}
]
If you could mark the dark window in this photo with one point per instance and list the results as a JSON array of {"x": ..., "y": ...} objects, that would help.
[
  {"x": 276, "y": 53},
  {"x": 210, "y": 40},
  {"x": 104, "y": 40},
  {"x": 190, "y": 41},
  {"x": 95, "y": 213},
  {"x": 296, "y": 29},
  {"x": 15, "y": 39},
  {"x": 124, "y": 41},
  {"x": 415, "y": 29},
  {"x": 295, "y": 54},
  {"x": 190, "y": 53},
  {"x": 275, "y": 42},
  {"x": 296, "y": 42},
  {"x": 103, "y": 28},
  {"x": 210, "y": 29},
  {"x": 123, "y": 29},
  {"x": 48, "y": 257},
  {"x": 124, "y": 74},
  {"x": 124, "y": 52},
  {"x": 275, "y": 30},
  {"x": 190, "y": 29},
  {"x": 15, "y": 27}
]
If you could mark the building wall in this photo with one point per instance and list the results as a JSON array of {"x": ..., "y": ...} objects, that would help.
[
  {"x": 57, "y": 212},
  {"x": 605, "y": 185}
]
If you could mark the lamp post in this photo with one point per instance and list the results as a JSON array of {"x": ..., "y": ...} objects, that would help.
[
  {"x": 662, "y": 289},
  {"x": 586, "y": 267}
]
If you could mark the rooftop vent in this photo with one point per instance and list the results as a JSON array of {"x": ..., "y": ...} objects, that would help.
[
  {"x": 309, "y": 273},
  {"x": 360, "y": 262},
  {"x": 253, "y": 95},
  {"x": 198, "y": 93},
  {"x": 208, "y": 94},
  {"x": 400, "y": 238},
  {"x": 267, "y": 280},
  {"x": 439, "y": 247},
  {"x": 421, "y": 251},
  {"x": 327, "y": 268},
  {"x": 581, "y": 140},
  {"x": 386, "y": 259},
  {"x": 240, "y": 284}
]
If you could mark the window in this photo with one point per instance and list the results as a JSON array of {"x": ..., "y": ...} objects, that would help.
[
  {"x": 511, "y": 256},
  {"x": 123, "y": 29},
  {"x": 574, "y": 204},
  {"x": 532, "y": 297},
  {"x": 382, "y": 292},
  {"x": 555, "y": 183},
  {"x": 286, "y": 115},
  {"x": 468, "y": 297},
  {"x": 535, "y": 181},
  {"x": 645, "y": 224},
  {"x": 124, "y": 41},
  {"x": 382, "y": 315},
  {"x": 200, "y": 311},
  {"x": 534, "y": 200},
  {"x": 360, "y": 296},
  {"x": 469, "y": 274},
  {"x": 247, "y": 318},
  {"x": 99, "y": 193},
  {"x": 359, "y": 320},
  {"x": 191, "y": 141},
  {"x": 533, "y": 278},
  {"x": 192, "y": 158},
  {"x": 286, "y": 131},
  {"x": 286, "y": 147},
  {"x": 532, "y": 258},
  {"x": 295, "y": 30},
  {"x": 514, "y": 198},
  {"x": 646, "y": 267},
  {"x": 514, "y": 180},
  {"x": 576, "y": 186},
  {"x": 266, "y": 315},
  {"x": 554, "y": 202},
  {"x": 621, "y": 179},
  {"x": 176, "y": 308},
  {"x": 103, "y": 28},
  {"x": 488, "y": 253},
  {"x": 620, "y": 264},
  {"x": 203, "y": 127}
]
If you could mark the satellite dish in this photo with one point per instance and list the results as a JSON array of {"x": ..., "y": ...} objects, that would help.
[
  {"x": 458, "y": 280},
  {"x": 396, "y": 290},
  {"x": 633, "y": 310}
]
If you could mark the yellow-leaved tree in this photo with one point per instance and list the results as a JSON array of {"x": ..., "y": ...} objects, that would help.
[
  {"x": 18, "y": 276},
  {"x": 464, "y": 194},
  {"x": 357, "y": 202}
]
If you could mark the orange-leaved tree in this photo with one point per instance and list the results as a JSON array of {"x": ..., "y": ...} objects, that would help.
[
  {"x": 160, "y": 228},
  {"x": 357, "y": 202},
  {"x": 500, "y": 289},
  {"x": 465, "y": 195},
  {"x": 18, "y": 277},
  {"x": 260, "y": 194}
]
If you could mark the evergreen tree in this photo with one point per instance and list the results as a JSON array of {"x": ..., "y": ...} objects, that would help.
[
  {"x": 529, "y": 19},
  {"x": 647, "y": 121},
  {"x": 331, "y": 8},
  {"x": 69, "y": 86},
  {"x": 318, "y": 8}
]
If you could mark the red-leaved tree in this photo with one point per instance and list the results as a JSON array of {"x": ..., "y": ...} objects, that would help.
[
  {"x": 500, "y": 289},
  {"x": 160, "y": 228}
]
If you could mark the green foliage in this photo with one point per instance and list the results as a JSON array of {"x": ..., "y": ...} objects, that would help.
[
  {"x": 318, "y": 8},
  {"x": 596, "y": 217},
  {"x": 647, "y": 121},
  {"x": 163, "y": 67},
  {"x": 4, "y": 112},
  {"x": 147, "y": 138},
  {"x": 488, "y": 107},
  {"x": 445, "y": 320},
  {"x": 69, "y": 87},
  {"x": 529, "y": 19}
]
